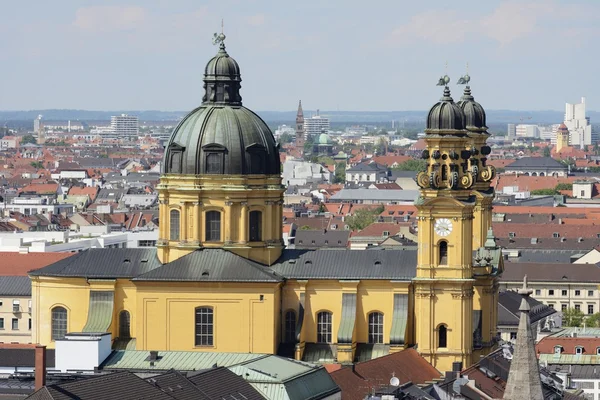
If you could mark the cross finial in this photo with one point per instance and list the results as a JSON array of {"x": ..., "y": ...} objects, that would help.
[
  {"x": 525, "y": 291},
  {"x": 223, "y": 24}
]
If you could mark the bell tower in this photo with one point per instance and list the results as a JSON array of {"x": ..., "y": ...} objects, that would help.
[
  {"x": 300, "y": 132},
  {"x": 488, "y": 263},
  {"x": 444, "y": 280}
]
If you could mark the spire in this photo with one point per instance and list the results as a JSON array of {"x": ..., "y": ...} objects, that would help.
[
  {"x": 222, "y": 79},
  {"x": 300, "y": 112},
  {"x": 524, "y": 375},
  {"x": 490, "y": 240}
]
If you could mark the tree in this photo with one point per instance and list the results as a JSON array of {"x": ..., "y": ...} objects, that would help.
[
  {"x": 363, "y": 217},
  {"x": 593, "y": 320},
  {"x": 381, "y": 146},
  {"x": 546, "y": 151},
  {"x": 412, "y": 165},
  {"x": 543, "y": 192},
  {"x": 563, "y": 186},
  {"x": 572, "y": 317},
  {"x": 37, "y": 164},
  {"x": 28, "y": 139},
  {"x": 340, "y": 173},
  {"x": 285, "y": 138}
]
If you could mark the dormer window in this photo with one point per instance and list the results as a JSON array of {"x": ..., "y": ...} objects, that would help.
[
  {"x": 598, "y": 351},
  {"x": 579, "y": 350},
  {"x": 511, "y": 235},
  {"x": 556, "y": 235},
  {"x": 256, "y": 154},
  {"x": 175, "y": 158},
  {"x": 557, "y": 350},
  {"x": 214, "y": 158}
]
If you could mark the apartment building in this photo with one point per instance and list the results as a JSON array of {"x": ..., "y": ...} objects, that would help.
[
  {"x": 15, "y": 309},
  {"x": 558, "y": 285}
]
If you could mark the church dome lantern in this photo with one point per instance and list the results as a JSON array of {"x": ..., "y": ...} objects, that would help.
[{"x": 473, "y": 111}]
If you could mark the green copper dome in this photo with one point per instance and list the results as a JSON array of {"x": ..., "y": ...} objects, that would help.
[
  {"x": 222, "y": 136},
  {"x": 473, "y": 111},
  {"x": 324, "y": 139},
  {"x": 445, "y": 116}
]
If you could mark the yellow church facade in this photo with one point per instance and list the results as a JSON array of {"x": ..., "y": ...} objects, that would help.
[{"x": 220, "y": 279}]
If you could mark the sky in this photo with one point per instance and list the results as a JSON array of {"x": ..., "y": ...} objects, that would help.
[{"x": 333, "y": 54}]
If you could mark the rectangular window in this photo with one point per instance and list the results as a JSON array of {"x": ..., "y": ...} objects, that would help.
[
  {"x": 324, "y": 324},
  {"x": 146, "y": 243},
  {"x": 174, "y": 225},
  {"x": 213, "y": 226},
  {"x": 578, "y": 307},
  {"x": 563, "y": 307},
  {"x": 513, "y": 335},
  {"x": 16, "y": 306},
  {"x": 578, "y": 293},
  {"x": 550, "y": 292},
  {"x": 538, "y": 292},
  {"x": 15, "y": 324},
  {"x": 204, "y": 326},
  {"x": 29, "y": 325},
  {"x": 590, "y": 293},
  {"x": 214, "y": 163},
  {"x": 551, "y": 305},
  {"x": 1, "y": 323},
  {"x": 375, "y": 327},
  {"x": 563, "y": 292},
  {"x": 583, "y": 193},
  {"x": 556, "y": 235},
  {"x": 590, "y": 309}
]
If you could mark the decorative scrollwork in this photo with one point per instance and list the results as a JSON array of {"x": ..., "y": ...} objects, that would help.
[
  {"x": 436, "y": 154},
  {"x": 434, "y": 179},
  {"x": 488, "y": 173},
  {"x": 453, "y": 184},
  {"x": 423, "y": 179},
  {"x": 467, "y": 180}
]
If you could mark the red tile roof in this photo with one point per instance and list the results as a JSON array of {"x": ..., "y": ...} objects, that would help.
[
  {"x": 16, "y": 264},
  {"x": 81, "y": 191},
  {"x": 407, "y": 365},
  {"x": 547, "y": 344}
]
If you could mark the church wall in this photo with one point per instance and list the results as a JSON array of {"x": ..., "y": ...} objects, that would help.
[
  {"x": 242, "y": 322},
  {"x": 326, "y": 295},
  {"x": 70, "y": 293}
]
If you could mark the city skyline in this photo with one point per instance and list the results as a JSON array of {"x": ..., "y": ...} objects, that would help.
[{"x": 108, "y": 55}]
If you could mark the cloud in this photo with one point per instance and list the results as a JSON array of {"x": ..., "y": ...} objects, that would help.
[
  {"x": 509, "y": 22},
  {"x": 104, "y": 19},
  {"x": 256, "y": 20}
]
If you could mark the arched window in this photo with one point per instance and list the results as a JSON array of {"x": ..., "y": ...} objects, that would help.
[
  {"x": 255, "y": 226},
  {"x": 213, "y": 226},
  {"x": 375, "y": 327},
  {"x": 324, "y": 327},
  {"x": 59, "y": 323},
  {"x": 290, "y": 327},
  {"x": 443, "y": 252},
  {"x": 174, "y": 225},
  {"x": 124, "y": 324},
  {"x": 204, "y": 326},
  {"x": 442, "y": 336}
]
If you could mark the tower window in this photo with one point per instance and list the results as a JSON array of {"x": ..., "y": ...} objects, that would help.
[
  {"x": 375, "y": 327},
  {"x": 174, "y": 225},
  {"x": 214, "y": 163},
  {"x": 59, "y": 322},
  {"x": 255, "y": 226},
  {"x": 124, "y": 324},
  {"x": 324, "y": 327},
  {"x": 213, "y": 226},
  {"x": 204, "y": 326},
  {"x": 443, "y": 252},
  {"x": 442, "y": 336},
  {"x": 290, "y": 327}
]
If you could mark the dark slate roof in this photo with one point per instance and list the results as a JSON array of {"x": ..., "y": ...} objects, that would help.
[
  {"x": 23, "y": 358},
  {"x": 178, "y": 386},
  {"x": 211, "y": 265},
  {"x": 508, "y": 308},
  {"x": 15, "y": 286},
  {"x": 536, "y": 162},
  {"x": 543, "y": 272},
  {"x": 321, "y": 237},
  {"x": 367, "y": 167},
  {"x": 347, "y": 264},
  {"x": 221, "y": 383},
  {"x": 117, "y": 386},
  {"x": 103, "y": 263}
]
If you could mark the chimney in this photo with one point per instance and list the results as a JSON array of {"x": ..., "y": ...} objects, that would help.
[
  {"x": 457, "y": 367},
  {"x": 40, "y": 367},
  {"x": 153, "y": 355}
]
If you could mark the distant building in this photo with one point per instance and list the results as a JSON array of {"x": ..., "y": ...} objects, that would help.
[
  {"x": 527, "y": 130},
  {"x": 37, "y": 125},
  {"x": 315, "y": 125},
  {"x": 579, "y": 125},
  {"x": 511, "y": 131},
  {"x": 124, "y": 126},
  {"x": 562, "y": 137},
  {"x": 537, "y": 166},
  {"x": 300, "y": 132}
]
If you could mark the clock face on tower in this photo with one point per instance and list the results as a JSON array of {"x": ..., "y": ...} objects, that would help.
[{"x": 443, "y": 226}]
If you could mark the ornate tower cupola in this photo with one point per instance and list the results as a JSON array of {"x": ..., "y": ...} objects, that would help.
[
  {"x": 446, "y": 153},
  {"x": 221, "y": 184}
]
